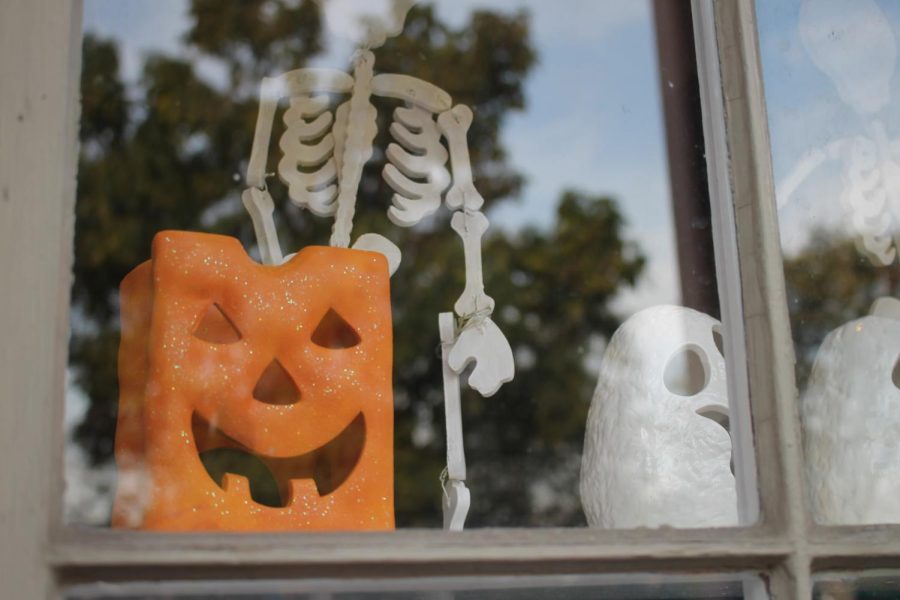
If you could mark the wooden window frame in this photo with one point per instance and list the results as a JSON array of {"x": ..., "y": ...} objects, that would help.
[{"x": 40, "y": 44}]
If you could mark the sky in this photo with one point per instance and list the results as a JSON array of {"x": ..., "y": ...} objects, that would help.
[
  {"x": 829, "y": 73},
  {"x": 593, "y": 99}
]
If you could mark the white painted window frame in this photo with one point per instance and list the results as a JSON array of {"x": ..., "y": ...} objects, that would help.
[{"x": 40, "y": 42}]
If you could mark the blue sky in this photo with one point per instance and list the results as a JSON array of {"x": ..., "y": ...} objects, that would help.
[
  {"x": 594, "y": 100},
  {"x": 806, "y": 109},
  {"x": 593, "y": 120}
]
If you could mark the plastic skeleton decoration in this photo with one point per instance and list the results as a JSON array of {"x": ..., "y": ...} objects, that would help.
[
  {"x": 851, "y": 421},
  {"x": 852, "y": 42},
  {"x": 656, "y": 449},
  {"x": 324, "y": 149}
]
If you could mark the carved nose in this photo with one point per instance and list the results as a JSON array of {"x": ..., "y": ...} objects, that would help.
[{"x": 275, "y": 386}]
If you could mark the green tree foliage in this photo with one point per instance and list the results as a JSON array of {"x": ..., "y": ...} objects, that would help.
[{"x": 170, "y": 153}]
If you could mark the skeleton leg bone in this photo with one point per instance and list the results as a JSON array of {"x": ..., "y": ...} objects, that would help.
[
  {"x": 471, "y": 227},
  {"x": 456, "y": 495}
]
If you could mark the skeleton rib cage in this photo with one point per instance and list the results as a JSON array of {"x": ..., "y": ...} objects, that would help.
[
  {"x": 314, "y": 144},
  {"x": 325, "y": 145}
]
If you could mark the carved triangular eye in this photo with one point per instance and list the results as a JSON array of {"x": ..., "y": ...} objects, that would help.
[
  {"x": 334, "y": 332},
  {"x": 215, "y": 327}
]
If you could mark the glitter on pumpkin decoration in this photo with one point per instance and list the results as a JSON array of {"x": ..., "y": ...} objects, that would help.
[{"x": 267, "y": 410}]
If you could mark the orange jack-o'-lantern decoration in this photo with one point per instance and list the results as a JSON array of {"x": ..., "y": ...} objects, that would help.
[{"x": 255, "y": 397}]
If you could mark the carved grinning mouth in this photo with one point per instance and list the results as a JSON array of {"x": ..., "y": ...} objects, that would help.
[{"x": 270, "y": 477}]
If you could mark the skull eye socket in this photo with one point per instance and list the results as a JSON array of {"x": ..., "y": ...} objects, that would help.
[
  {"x": 216, "y": 328},
  {"x": 334, "y": 332}
]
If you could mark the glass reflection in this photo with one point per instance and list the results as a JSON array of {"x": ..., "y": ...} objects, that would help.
[
  {"x": 567, "y": 148},
  {"x": 831, "y": 88},
  {"x": 874, "y": 585}
]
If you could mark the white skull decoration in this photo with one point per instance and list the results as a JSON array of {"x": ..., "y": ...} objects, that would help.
[
  {"x": 657, "y": 451},
  {"x": 851, "y": 421}
]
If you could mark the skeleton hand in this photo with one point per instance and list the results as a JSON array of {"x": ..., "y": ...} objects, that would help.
[{"x": 484, "y": 343}]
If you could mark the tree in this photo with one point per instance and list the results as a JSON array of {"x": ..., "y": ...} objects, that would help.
[
  {"x": 172, "y": 158},
  {"x": 829, "y": 283}
]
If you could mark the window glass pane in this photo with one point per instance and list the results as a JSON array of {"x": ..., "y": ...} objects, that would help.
[
  {"x": 248, "y": 397},
  {"x": 870, "y": 585},
  {"x": 571, "y": 587},
  {"x": 831, "y": 85}
]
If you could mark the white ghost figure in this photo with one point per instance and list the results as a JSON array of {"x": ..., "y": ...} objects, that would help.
[
  {"x": 850, "y": 412},
  {"x": 852, "y": 42},
  {"x": 657, "y": 451}
]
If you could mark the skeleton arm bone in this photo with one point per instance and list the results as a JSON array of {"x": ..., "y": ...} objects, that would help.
[
  {"x": 260, "y": 206},
  {"x": 480, "y": 340},
  {"x": 803, "y": 168},
  {"x": 454, "y": 124},
  {"x": 456, "y": 496},
  {"x": 256, "y": 199}
]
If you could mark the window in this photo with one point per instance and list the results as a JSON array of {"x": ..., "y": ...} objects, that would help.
[
  {"x": 39, "y": 51},
  {"x": 580, "y": 239},
  {"x": 837, "y": 220}
]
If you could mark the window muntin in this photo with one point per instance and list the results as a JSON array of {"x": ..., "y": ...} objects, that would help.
[{"x": 782, "y": 546}]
